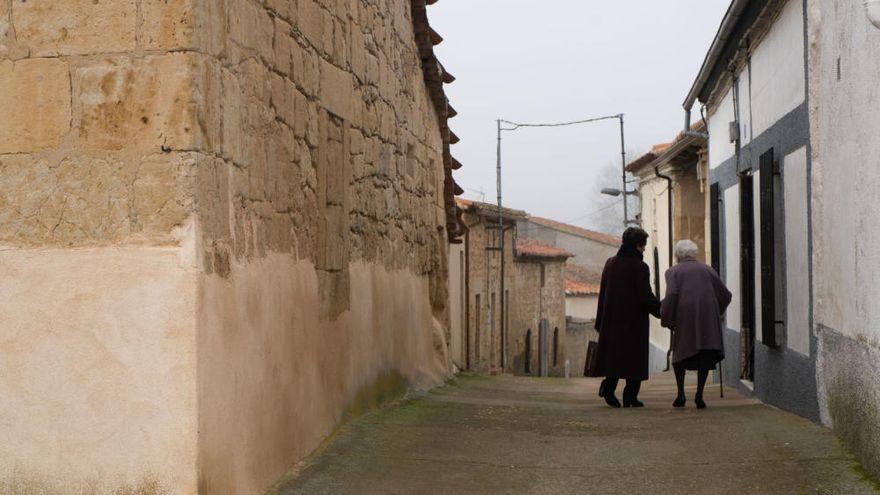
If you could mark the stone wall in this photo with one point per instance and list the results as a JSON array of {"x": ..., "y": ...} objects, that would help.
[
  {"x": 533, "y": 303},
  {"x": 244, "y": 203},
  {"x": 483, "y": 332}
]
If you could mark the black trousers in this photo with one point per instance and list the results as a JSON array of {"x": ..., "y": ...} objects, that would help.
[{"x": 630, "y": 391}]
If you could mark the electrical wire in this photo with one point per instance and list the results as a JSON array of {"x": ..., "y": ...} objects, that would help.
[{"x": 517, "y": 125}]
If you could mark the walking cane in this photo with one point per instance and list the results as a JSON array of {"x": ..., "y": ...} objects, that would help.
[{"x": 721, "y": 378}]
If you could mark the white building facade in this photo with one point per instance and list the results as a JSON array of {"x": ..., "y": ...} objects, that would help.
[
  {"x": 792, "y": 102},
  {"x": 756, "y": 111}
]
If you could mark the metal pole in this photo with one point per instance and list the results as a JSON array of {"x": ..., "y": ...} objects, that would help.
[
  {"x": 623, "y": 174},
  {"x": 501, "y": 234}
]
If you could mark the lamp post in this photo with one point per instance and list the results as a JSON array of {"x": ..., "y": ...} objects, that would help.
[
  {"x": 613, "y": 191},
  {"x": 513, "y": 126}
]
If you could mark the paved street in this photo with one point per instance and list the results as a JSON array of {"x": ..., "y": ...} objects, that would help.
[{"x": 526, "y": 435}]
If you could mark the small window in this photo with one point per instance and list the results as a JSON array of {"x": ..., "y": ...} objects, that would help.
[{"x": 543, "y": 275}]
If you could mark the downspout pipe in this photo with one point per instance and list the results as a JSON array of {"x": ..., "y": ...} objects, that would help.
[{"x": 669, "y": 241}]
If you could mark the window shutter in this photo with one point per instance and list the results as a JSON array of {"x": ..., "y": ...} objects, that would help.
[
  {"x": 768, "y": 252},
  {"x": 715, "y": 225}
]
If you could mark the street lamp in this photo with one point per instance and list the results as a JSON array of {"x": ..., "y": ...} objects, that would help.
[
  {"x": 508, "y": 126},
  {"x": 611, "y": 191}
]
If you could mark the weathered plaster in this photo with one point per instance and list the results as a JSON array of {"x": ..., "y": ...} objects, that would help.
[
  {"x": 98, "y": 369},
  {"x": 275, "y": 378}
]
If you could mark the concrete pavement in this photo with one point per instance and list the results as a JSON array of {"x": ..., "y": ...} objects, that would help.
[{"x": 529, "y": 435}]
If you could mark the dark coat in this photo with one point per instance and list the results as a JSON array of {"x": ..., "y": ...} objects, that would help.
[
  {"x": 625, "y": 301},
  {"x": 695, "y": 299}
]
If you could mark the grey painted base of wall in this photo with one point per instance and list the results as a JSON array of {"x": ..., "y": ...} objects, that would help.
[
  {"x": 848, "y": 377},
  {"x": 783, "y": 378},
  {"x": 656, "y": 358}
]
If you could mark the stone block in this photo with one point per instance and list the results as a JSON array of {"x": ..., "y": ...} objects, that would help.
[
  {"x": 284, "y": 99},
  {"x": 310, "y": 22},
  {"x": 162, "y": 193},
  {"x": 358, "y": 53},
  {"x": 283, "y": 45},
  {"x": 251, "y": 29},
  {"x": 233, "y": 134},
  {"x": 284, "y": 8},
  {"x": 167, "y": 24},
  {"x": 300, "y": 122},
  {"x": 80, "y": 201},
  {"x": 337, "y": 90},
  {"x": 212, "y": 199},
  {"x": 75, "y": 27},
  {"x": 34, "y": 104},
  {"x": 144, "y": 103}
]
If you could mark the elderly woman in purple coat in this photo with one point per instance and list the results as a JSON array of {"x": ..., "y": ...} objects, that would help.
[{"x": 695, "y": 300}]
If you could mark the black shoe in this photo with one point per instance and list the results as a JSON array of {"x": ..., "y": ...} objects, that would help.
[
  {"x": 602, "y": 388},
  {"x": 612, "y": 401},
  {"x": 699, "y": 402},
  {"x": 632, "y": 403},
  {"x": 679, "y": 401}
]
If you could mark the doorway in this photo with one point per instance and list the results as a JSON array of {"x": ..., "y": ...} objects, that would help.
[
  {"x": 527, "y": 368},
  {"x": 543, "y": 348}
]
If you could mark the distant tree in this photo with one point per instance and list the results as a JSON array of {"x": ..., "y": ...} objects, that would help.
[{"x": 606, "y": 214}]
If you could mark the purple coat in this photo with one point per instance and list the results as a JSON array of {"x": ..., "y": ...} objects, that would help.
[{"x": 695, "y": 299}]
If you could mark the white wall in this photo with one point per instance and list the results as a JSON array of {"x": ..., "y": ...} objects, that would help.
[
  {"x": 778, "y": 69},
  {"x": 845, "y": 127},
  {"x": 771, "y": 89},
  {"x": 731, "y": 255},
  {"x": 581, "y": 306},
  {"x": 720, "y": 147},
  {"x": 655, "y": 214},
  {"x": 797, "y": 259}
]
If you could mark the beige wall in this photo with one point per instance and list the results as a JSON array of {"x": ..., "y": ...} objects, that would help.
[
  {"x": 583, "y": 307},
  {"x": 457, "y": 305},
  {"x": 98, "y": 364},
  {"x": 655, "y": 221},
  {"x": 238, "y": 206}
]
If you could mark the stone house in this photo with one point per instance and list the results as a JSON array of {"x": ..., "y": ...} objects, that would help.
[
  {"x": 482, "y": 339},
  {"x": 537, "y": 331},
  {"x": 582, "y": 291},
  {"x": 673, "y": 192},
  {"x": 521, "y": 333},
  {"x": 790, "y": 94},
  {"x": 582, "y": 287},
  {"x": 224, "y": 229}
]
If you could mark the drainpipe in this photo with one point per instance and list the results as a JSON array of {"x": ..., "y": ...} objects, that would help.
[{"x": 669, "y": 241}]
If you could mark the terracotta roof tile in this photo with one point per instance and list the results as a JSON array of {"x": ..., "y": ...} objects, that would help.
[
  {"x": 578, "y": 231},
  {"x": 581, "y": 281},
  {"x": 658, "y": 149},
  {"x": 531, "y": 248}
]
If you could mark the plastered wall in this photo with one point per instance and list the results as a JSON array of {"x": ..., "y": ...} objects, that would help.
[{"x": 257, "y": 187}]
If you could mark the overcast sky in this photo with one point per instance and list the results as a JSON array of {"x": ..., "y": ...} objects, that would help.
[{"x": 562, "y": 60}]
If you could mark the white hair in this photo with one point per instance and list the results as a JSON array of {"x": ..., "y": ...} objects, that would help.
[{"x": 685, "y": 249}]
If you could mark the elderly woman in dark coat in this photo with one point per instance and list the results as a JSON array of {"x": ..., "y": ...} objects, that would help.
[
  {"x": 695, "y": 300},
  {"x": 625, "y": 301}
]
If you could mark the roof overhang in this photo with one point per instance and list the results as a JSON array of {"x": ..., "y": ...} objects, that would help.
[{"x": 740, "y": 16}]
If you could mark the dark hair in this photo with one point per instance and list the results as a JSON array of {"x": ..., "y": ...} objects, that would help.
[{"x": 635, "y": 237}]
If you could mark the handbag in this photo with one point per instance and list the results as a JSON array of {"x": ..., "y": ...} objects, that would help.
[{"x": 591, "y": 362}]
